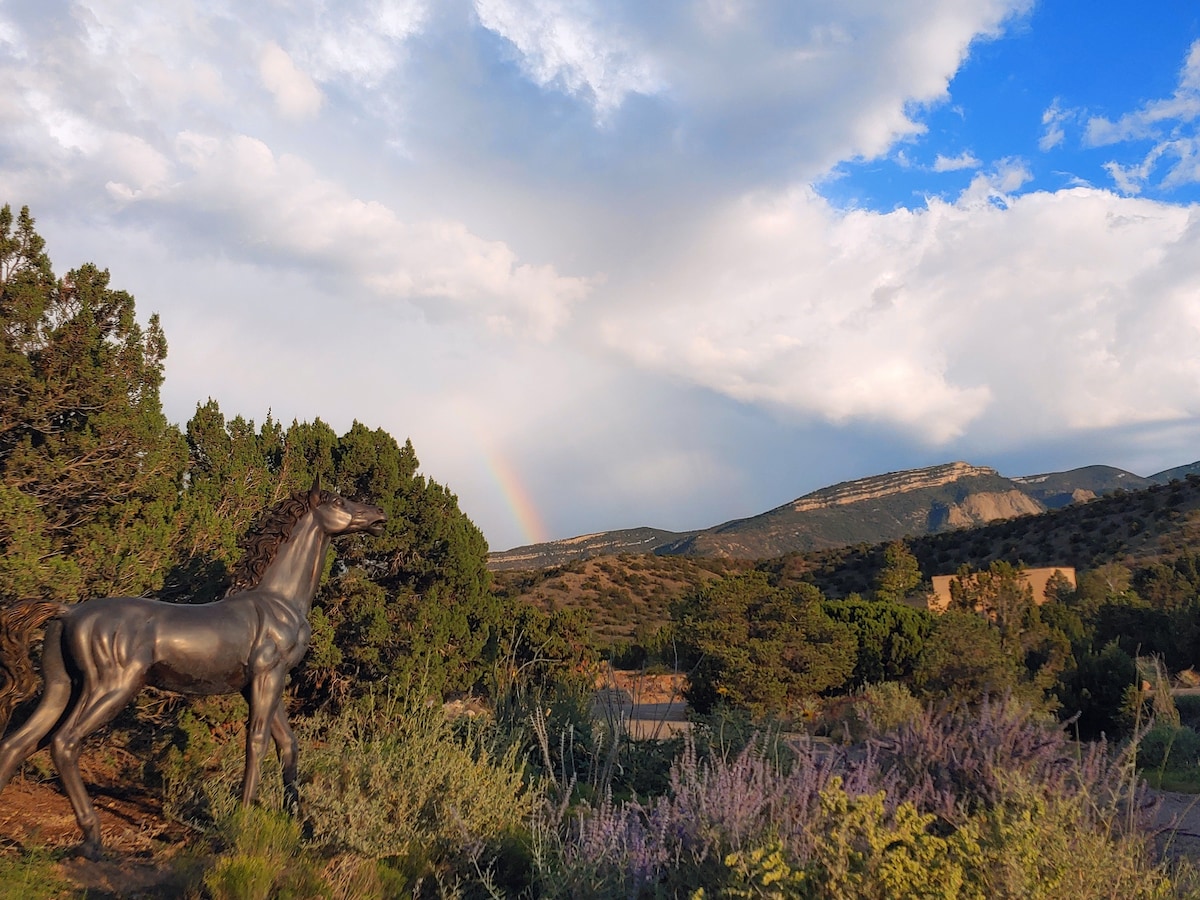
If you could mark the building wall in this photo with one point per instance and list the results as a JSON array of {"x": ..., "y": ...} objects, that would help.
[{"x": 939, "y": 600}]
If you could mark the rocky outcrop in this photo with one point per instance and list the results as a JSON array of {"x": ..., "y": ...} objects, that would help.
[
  {"x": 880, "y": 486},
  {"x": 988, "y": 506}
]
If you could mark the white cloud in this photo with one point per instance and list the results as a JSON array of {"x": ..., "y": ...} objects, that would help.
[
  {"x": 965, "y": 160},
  {"x": 1170, "y": 123},
  {"x": 1043, "y": 309},
  {"x": 136, "y": 168},
  {"x": 774, "y": 84},
  {"x": 1054, "y": 133},
  {"x": 279, "y": 207},
  {"x": 566, "y": 45},
  {"x": 613, "y": 180},
  {"x": 296, "y": 96},
  {"x": 359, "y": 41}
]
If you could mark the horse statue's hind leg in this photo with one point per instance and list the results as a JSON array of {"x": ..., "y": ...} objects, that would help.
[
  {"x": 56, "y": 695},
  {"x": 109, "y": 679},
  {"x": 288, "y": 747}
]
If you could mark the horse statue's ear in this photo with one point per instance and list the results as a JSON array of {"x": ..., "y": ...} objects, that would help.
[{"x": 314, "y": 496}]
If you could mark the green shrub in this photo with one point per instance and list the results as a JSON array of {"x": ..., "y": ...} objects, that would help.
[
  {"x": 1189, "y": 709},
  {"x": 864, "y": 851},
  {"x": 265, "y": 860},
  {"x": 872, "y": 710},
  {"x": 1167, "y": 745},
  {"x": 1039, "y": 845}
]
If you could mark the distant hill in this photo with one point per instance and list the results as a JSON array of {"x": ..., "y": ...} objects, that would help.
[
  {"x": 604, "y": 543},
  {"x": 883, "y": 507},
  {"x": 1059, "y": 489},
  {"x": 868, "y": 510},
  {"x": 1177, "y": 473},
  {"x": 627, "y": 596}
]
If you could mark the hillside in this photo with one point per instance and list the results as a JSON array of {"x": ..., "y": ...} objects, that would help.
[
  {"x": 604, "y": 543},
  {"x": 885, "y": 507},
  {"x": 627, "y": 596}
]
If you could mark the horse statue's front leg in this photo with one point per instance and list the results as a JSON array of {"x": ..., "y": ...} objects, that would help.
[{"x": 264, "y": 696}]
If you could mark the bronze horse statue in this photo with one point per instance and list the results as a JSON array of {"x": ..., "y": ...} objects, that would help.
[{"x": 97, "y": 655}]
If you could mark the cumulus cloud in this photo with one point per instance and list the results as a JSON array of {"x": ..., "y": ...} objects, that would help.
[
  {"x": 747, "y": 84},
  {"x": 1043, "y": 309},
  {"x": 1169, "y": 123},
  {"x": 279, "y": 207},
  {"x": 296, "y": 97},
  {"x": 630, "y": 185}
]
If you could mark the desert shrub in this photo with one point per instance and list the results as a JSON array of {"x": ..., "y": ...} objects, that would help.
[
  {"x": 201, "y": 772},
  {"x": 675, "y": 843},
  {"x": 265, "y": 860},
  {"x": 1045, "y": 845},
  {"x": 1169, "y": 745},
  {"x": 956, "y": 805},
  {"x": 864, "y": 850},
  {"x": 957, "y": 760},
  {"x": 877, "y": 709},
  {"x": 554, "y": 728},
  {"x": 394, "y": 780}
]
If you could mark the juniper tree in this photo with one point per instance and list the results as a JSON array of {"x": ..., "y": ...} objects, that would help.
[
  {"x": 753, "y": 645},
  {"x": 89, "y": 466}
]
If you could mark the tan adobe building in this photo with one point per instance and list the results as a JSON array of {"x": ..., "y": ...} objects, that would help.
[{"x": 939, "y": 599}]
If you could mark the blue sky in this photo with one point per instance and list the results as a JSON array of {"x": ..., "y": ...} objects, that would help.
[
  {"x": 1082, "y": 59},
  {"x": 618, "y": 264}
]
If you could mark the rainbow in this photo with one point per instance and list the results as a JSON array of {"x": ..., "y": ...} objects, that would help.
[{"x": 520, "y": 503}]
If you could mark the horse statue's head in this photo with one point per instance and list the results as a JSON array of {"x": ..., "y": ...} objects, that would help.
[{"x": 337, "y": 515}]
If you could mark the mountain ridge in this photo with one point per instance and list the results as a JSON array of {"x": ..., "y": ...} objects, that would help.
[{"x": 888, "y": 506}]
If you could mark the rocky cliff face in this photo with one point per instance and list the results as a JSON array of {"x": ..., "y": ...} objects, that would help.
[
  {"x": 986, "y": 506},
  {"x": 881, "y": 486}
]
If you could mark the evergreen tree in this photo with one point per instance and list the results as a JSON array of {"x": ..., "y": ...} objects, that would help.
[
  {"x": 412, "y": 604},
  {"x": 100, "y": 495},
  {"x": 900, "y": 575},
  {"x": 424, "y": 611},
  {"x": 964, "y": 658},
  {"x": 752, "y": 645},
  {"x": 890, "y": 637},
  {"x": 235, "y": 471},
  {"x": 89, "y": 467}
]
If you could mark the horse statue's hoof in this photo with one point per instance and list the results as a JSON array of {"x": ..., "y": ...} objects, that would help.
[{"x": 91, "y": 850}]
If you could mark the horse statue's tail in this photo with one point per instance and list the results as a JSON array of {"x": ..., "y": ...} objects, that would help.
[{"x": 18, "y": 680}]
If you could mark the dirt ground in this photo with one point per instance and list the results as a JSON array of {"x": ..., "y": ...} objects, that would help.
[
  {"x": 647, "y": 706},
  {"x": 137, "y": 837},
  {"x": 1178, "y": 817}
]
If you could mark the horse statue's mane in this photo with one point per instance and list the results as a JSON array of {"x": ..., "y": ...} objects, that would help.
[{"x": 264, "y": 538}]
